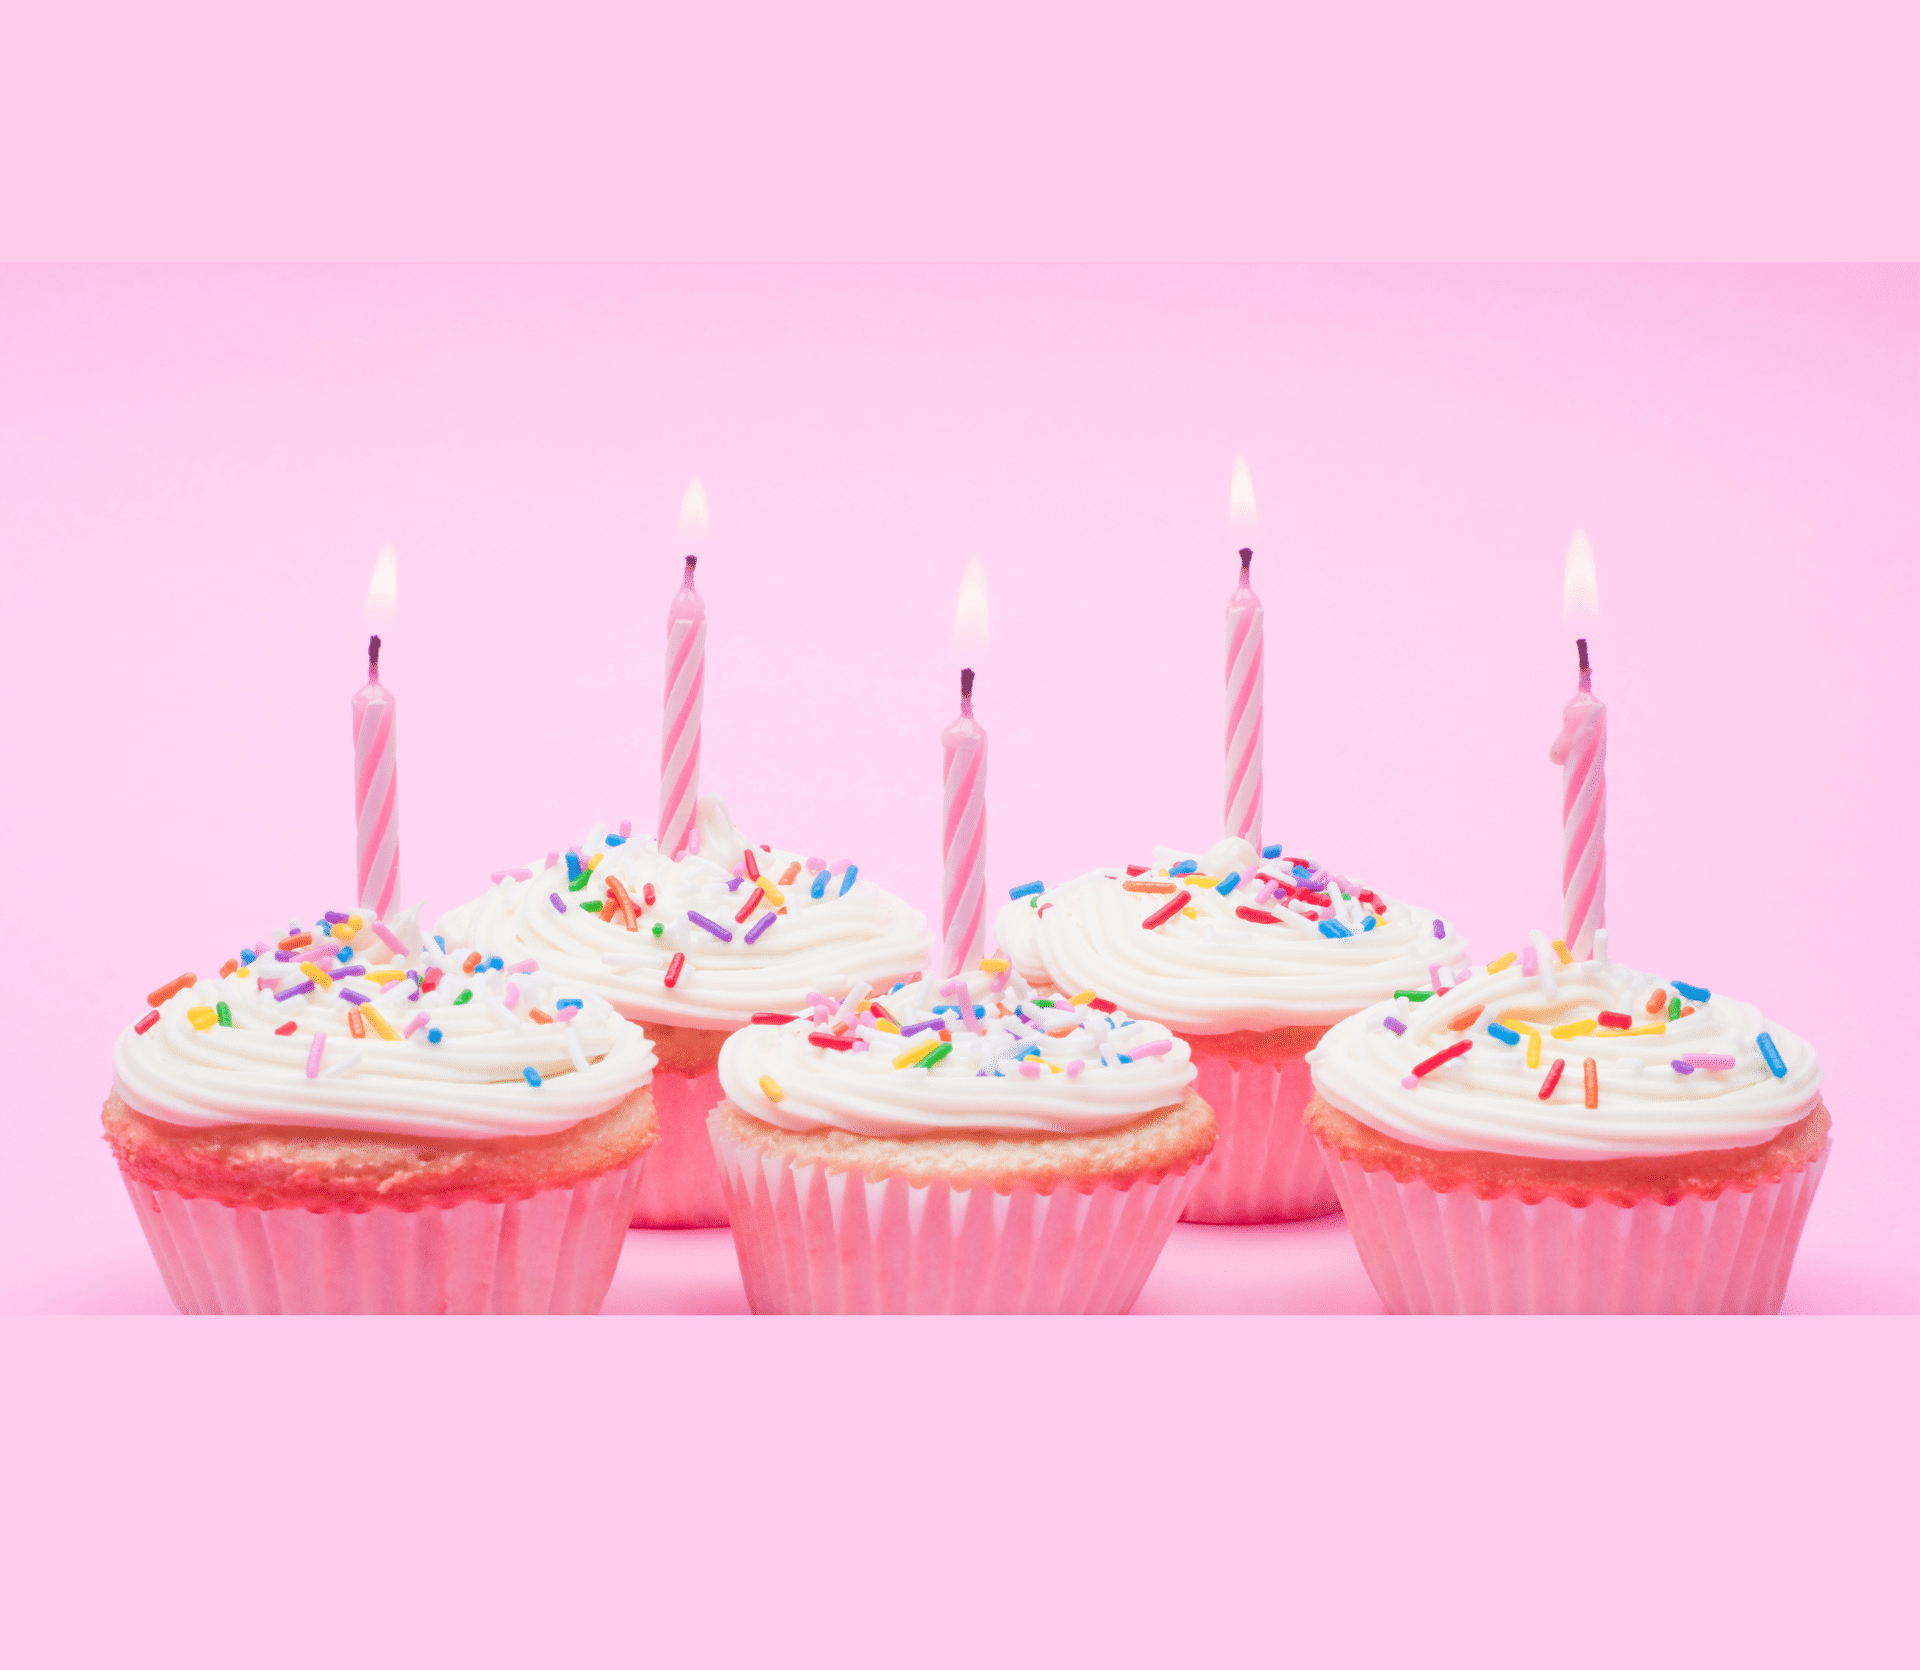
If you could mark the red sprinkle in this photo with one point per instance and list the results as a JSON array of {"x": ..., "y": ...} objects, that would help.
[
  {"x": 1553, "y": 1076},
  {"x": 1592, "y": 1075},
  {"x": 1136, "y": 869},
  {"x": 1102, "y": 1005},
  {"x": 752, "y": 904},
  {"x": 1316, "y": 898},
  {"x": 1442, "y": 1058},
  {"x": 286, "y": 1031},
  {"x": 827, "y": 1041},
  {"x": 674, "y": 966},
  {"x": 1613, "y": 1018},
  {"x": 646, "y": 892},
  {"x": 767, "y": 1017},
  {"x": 152, "y": 1016},
  {"x": 753, "y": 869},
  {"x": 880, "y": 1011},
  {"x": 160, "y": 994},
  {"x": 432, "y": 979},
  {"x": 1169, "y": 910},
  {"x": 1247, "y": 913}
]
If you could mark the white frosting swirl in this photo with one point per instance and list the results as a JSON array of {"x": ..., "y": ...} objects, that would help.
[
  {"x": 1216, "y": 971},
  {"x": 469, "y": 1083},
  {"x": 978, "y": 1085},
  {"x": 1489, "y": 1098},
  {"x": 824, "y": 944}
]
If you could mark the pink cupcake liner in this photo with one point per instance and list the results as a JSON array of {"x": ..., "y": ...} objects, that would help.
[
  {"x": 1430, "y": 1253},
  {"x": 551, "y": 1254},
  {"x": 817, "y": 1242},
  {"x": 1265, "y": 1167},
  {"x": 681, "y": 1188}
]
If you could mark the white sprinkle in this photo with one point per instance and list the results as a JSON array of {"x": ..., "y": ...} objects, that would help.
[
  {"x": 344, "y": 1064},
  {"x": 574, "y": 1050}
]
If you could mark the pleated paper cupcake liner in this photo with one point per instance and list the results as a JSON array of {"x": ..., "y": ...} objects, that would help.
[
  {"x": 552, "y": 1253},
  {"x": 817, "y": 1242},
  {"x": 1266, "y": 1167},
  {"x": 681, "y": 1188},
  {"x": 1430, "y": 1253}
]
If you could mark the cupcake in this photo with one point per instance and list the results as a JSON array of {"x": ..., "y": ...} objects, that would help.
[
  {"x": 899, "y": 1154},
  {"x": 341, "y": 1123},
  {"x": 1247, "y": 959},
  {"x": 1557, "y": 1136},
  {"x": 693, "y": 951}
]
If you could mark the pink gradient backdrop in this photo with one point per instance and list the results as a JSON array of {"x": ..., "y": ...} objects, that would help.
[{"x": 197, "y": 468}]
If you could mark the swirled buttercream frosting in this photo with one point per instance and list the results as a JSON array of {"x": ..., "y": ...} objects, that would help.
[
  {"x": 1569, "y": 1061},
  {"x": 730, "y": 930},
  {"x": 343, "y": 1025},
  {"x": 914, "y": 1062},
  {"x": 1227, "y": 940}
]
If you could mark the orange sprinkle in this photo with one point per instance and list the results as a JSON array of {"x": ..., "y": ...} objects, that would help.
[
  {"x": 355, "y": 1024},
  {"x": 472, "y": 962},
  {"x": 1593, "y": 1083},
  {"x": 229, "y": 966},
  {"x": 540, "y": 1017},
  {"x": 293, "y": 942},
  {"x": 1149, "y": 887},
  {"x": 160, "y": 994},
  {"x": 1657, "y": 1002},
  {"x": 1466, "y": 1018},
  {"x": 792, "y": 870}
]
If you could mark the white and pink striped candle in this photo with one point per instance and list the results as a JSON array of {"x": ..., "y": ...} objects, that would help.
[
  {"x": 680, "y": 717},
  {"x": 376, "y": 793},
  {"x": 963, "y": 838},
  {"x": 1246, "y": 676},
  {"x": 1580, "y": 751}
]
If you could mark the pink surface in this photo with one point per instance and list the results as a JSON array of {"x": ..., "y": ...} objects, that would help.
[{"x": 199, "y": 467}]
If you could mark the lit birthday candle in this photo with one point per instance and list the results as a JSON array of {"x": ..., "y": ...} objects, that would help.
[
  {"x": 1581, "y": 752},
  {"x": 685, "y": 689},
  {"x": 963, "y": 823},
  {"x": 376, "y": 788},
  {"x": 1246, "y": 674}
]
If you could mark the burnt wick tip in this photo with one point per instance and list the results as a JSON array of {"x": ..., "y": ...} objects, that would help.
[
  {"x": 1246, "y": 558},
  {"x": 373, "y": 656},
  {"x": 1582, "y": 642},
  {"x": 966, "y": 683}
]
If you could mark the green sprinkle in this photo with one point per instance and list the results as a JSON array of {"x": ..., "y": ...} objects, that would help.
[
  {"x": 935, "y": 1056},
  {"x": 1043, "y": 1003},
  {"x": 1673, "y": 1009},
  {"x": 465, "y": 997},
  {"x": 658, "y": 930},
  {"x": 579, "y": 881},
  {"x": 1416, "y": 997},
  {"x": 225, "y": 1014},
  {"x": 591, "y": 904}
]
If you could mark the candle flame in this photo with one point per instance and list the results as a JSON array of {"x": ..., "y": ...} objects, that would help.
[
  {"x": 970, "y": 614},
  {"x": 693, "y": 509},
  {"x": 1242, "y": 517},
  {"x": 383, "y": 590},
  {"x": 1580, "y": 599}
]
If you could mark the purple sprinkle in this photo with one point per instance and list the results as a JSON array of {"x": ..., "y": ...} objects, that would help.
[
  {"x": 355, "y": 998},
  {"x": 293, "y": 991},
  {"x": 352, "y": 968},
  {"x": 1683, "y": 1066},
  {"x": 761, "y": 926},
  {"x": 299, "y": 956},
  {"x": 713, "y": 928},
  {"x": 558, "y": 903},
  {"x": 335, "y": 916},
  {"x": 920, "y": 1026},
  {"x": 735, "y": 882},
  {"x": 1439, "y": 929},
  {"x": 1397, "y": 1027}
]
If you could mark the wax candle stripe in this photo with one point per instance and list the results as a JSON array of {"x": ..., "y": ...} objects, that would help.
[
  {"x": 1581, "y": 751},
  {"x": 376, "y": 793},
  {"x": 1246, "y": 707},
  {"x": 681, "y": 717},
  {"x": 963, "y": 840}
]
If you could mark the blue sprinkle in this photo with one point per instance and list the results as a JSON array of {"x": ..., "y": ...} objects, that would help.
[
  {"x": 616, "y": 841},
  {"x": 898, "y": 985},
  {"x": 491, "y": 962},
  {"x": 557, "y": 902},
  {"x": 1228, "y": 883},
  {"x": 1025, "y": 888},
  {"x": 1022, "y": 1053},
  {"x": 570, "y": 1003},
  {"x": 1271, "y": 852},
  {"x": 1124, "y": 1060},
  {"x": 433, "y": 1035},
  {"x": 1770, "y": 1051},
  {"x": 346, "y": 951},
  {"x": 761, "y": 926},
  {"x": 846, "y": 881},
  {"x": 711, "y": 926},
  {"x": 1336, "y": 930},
  {"x": 1367, "y": 924},
  {"x": 248, "y": 957},
  {"x": 1693, "y": 994},
  {"x": 819, "y": 886},
  {"x": 1185, "y": 867},
  {"x": 1394, "y": 1025},
  {"x": 441, "y": 942},
  {"x": 573, "y": 866},
  {"x": 530, "y": 1076},
  {"x": 1682, "y": 1066},
  {"x": 1505, "y": 1034}
]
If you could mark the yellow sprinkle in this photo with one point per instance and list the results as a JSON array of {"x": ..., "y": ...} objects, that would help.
[
  {"x": 1641, "y": 1031},
  {"x": 913, "y": 1055},
  {"x": 1560, "y": 950},
  {"x": 1188, "y": 910},
  {"x": 202, "y": 1018},
  {"x": 770, "y": 1090},
  {"x": 318, "y": 975},
  {"x": 1574, "y": 1029},
  {"x": 1201, "y": 881},
  {"x": 386, "y": 976},
  {"x": 354, "y": 925},
  {"x": 774, "y": 896},
  {"x": 1503, "y": 961},
  {"x": 1533, "y": 1048},
  {"x": 378, "y": 1022},
  {"x": 1079, "y": 998},
  {"x": 595, "y": 859},
  {"x": 993, "y": 965},
  {"x": 888, "y": 1026}
]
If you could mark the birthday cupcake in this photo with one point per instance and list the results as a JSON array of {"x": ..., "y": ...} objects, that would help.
[
  {"x": 342, "y": 1123},
  {"x": 1247, "y": 958},
  {"x": 1571, "y": 1137},
  {"x": 693, "y": 950},
  {"x": 966, "y": 1151}
]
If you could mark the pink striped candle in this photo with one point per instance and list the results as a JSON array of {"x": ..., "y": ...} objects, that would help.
[
  {"x": 1581, "y": 752},
  {"x": 376, "y": 792},
  {"x": 963, "y": 841},
  {"x": 1246, "y": 706},
  {"x": 680, "y": 719}
]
